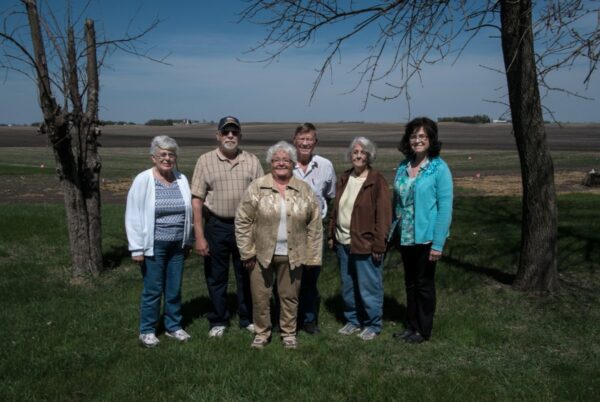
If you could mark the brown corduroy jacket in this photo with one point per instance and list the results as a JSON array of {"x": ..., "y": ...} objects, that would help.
[{"x": 371, "y": 216}]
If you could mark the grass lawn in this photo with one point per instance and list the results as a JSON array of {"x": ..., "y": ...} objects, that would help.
[
  {"x": 119, "y": 163},
  {"x": 65, "y": 341}
]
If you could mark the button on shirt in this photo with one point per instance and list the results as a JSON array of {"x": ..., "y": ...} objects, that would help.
[
  {"x": 320, "y": 176},
  {"x": 221, "y": 183}
]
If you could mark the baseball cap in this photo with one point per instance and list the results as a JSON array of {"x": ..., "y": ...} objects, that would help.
[{"x": 229, "y": 120}]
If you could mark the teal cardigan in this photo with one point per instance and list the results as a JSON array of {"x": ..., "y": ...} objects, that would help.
[{"x": 433, "y": 203}]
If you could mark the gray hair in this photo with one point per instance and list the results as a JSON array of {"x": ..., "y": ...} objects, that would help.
[
  {"x": 285, "y": 147},
  {"x": 163, "y": 142},
  {"x": 368, "y": 146}
]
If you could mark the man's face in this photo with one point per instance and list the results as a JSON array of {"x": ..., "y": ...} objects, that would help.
[
  {"x": 305, "y": 144},
  {"x": 229, "y": 138}
]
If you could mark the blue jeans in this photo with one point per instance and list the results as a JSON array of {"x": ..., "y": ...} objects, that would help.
[
  {"x": 362, "y": 289},
  {"x": 162, "y": 273}
]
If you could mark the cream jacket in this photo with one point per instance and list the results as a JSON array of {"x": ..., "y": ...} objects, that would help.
[
  {"x": 139, "y": 213},
  {"x": 257, "y": 220}
]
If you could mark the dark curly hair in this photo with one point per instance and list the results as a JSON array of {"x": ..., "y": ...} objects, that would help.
[{"x": 430, "y": 128}]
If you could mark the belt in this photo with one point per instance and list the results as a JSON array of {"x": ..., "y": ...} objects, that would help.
[{"x": 220, "y": 219}]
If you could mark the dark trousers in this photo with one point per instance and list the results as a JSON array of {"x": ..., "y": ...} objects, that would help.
[
  {"x": 308, "y": 309},
  {"x": 220, "y": 235},
  {"x": 419, "y": 279}
]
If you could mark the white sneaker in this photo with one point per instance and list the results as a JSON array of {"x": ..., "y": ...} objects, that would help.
[
  {"x": 148, "y": 340},
  {"x": 216, "y": 332},
  {"x": 348, "y": 329},
  {"x": 368, "y": 334},
  {"x": 180, "y": 335},
  {"x": 250, "y": 328}
]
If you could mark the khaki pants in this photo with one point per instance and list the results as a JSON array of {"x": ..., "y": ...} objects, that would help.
[{"x": 288, "y": 287}]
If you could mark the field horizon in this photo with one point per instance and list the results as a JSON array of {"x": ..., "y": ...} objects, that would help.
[{"x": 455, "y": 136}]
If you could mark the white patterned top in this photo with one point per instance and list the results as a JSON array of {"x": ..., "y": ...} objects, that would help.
[{"x": 169, "y": 212}]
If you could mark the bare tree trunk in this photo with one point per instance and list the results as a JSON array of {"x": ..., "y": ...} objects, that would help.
[
  {"x": 77, "y": 161},
  {"x": 537, "y": 265},
  {"x": 93, "y": 163}
]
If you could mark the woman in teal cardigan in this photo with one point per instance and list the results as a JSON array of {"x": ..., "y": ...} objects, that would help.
[{"x": 423, "y": 212}]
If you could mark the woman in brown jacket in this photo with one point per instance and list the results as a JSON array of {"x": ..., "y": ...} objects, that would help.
[{"x": 359, "y": 224}]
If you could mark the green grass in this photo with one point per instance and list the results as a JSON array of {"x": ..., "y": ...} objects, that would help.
[
  {"x": 62, "y": 341},
  {"x": 127, "y": 162}
]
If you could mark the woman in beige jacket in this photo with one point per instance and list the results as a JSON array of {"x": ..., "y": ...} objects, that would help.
[{"x": 279, "y": 233}]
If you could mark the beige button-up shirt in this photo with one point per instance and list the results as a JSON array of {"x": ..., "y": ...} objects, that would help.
[
  {"x": 257, "y": 220},
  {"x": 221, "y": 183}
]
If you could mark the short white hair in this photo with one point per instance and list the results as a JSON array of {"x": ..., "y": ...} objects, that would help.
[
  {"x": 368, "y": 146},
  {"x": 285, "y": 147},
  {"x": 163, "y": 142}
]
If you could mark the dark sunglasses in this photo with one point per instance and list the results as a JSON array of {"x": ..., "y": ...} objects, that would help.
[{"x": 226, "y": 131}]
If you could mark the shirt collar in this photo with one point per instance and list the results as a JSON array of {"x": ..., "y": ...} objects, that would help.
[
  {"x": 221, "y": 156},
  {"x": 292, "y": 184}
]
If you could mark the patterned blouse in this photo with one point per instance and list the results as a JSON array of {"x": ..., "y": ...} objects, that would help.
[
  {"x": 404, "y": 187},
  {"x": 169, "y": 212}
]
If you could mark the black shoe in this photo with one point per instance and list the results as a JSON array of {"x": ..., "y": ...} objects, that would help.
[
  {"x": 404, "y": 335},
  {"x": 416, "y": 337},
  {"x": 311, "y": 328}
]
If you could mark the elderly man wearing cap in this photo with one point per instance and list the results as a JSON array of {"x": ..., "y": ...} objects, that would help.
[
  {"x": 318, "y": 172},
  {"x": 219, "y": 182}
]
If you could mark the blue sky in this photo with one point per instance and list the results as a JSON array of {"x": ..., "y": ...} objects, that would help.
[{"x": 206, "y": 79}]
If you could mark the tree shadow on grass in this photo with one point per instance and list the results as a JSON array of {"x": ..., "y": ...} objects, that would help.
[
  {"x": 335, "y": 306},
  {"x": 575, "y": 242},
  {"x": 113, "y": 258},
  {"x": 494, "y": 273},
  {"x": 392, "y": 310},
  {"x": 199, "y": 307}
]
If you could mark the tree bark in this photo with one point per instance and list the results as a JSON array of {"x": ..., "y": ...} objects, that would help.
[
  {"x": 77, "y": 161},
  {"x": 93, "y": 163},
  {"x": 537, "y": 265}
]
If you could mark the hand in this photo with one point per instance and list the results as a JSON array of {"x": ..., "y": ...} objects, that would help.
[
  {"x": 249, "y": 263},
  {"x": 377, "y": 257},
  {"x": 434, "y": 255},
  {"x": 138, "y": 259},
  {"x": 201, "y": 247}
]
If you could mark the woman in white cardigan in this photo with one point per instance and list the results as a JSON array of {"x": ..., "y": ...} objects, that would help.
[{"x": 158, "y": 221}]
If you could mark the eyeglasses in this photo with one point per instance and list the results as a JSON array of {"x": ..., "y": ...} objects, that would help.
[
  {"x": 165, "y": 155},
  {"x": 226, "y": 131},
  {"x": 420, "y": 137},
  {"x": 284, "y": 161}
]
